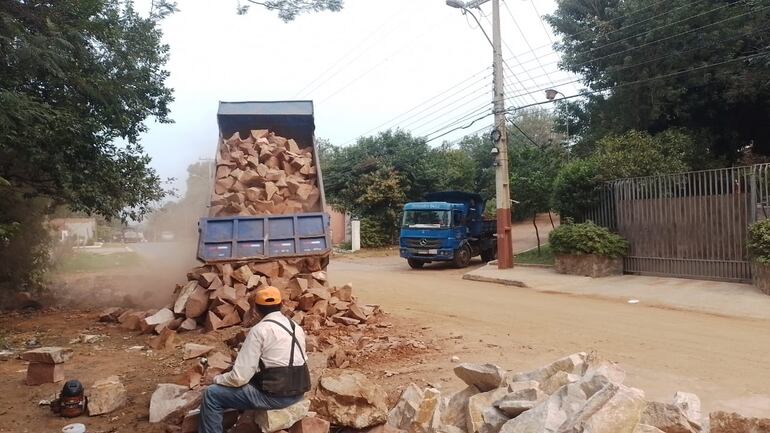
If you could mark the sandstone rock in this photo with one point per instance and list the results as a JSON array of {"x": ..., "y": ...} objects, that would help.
[
  {"x": 690, "y": 405},
  {"x": 559, "y": 379},
  {"x": 191, "y": 378},
  {"x": 401, "y": 415},
  {"x": 105, "y": 396},
  {"x": 242, "y": 274},
  {"x": 346, "y": 320},
  {"x": 485, "y": 377},
  {"x": 110, "y": 314},
  {"x": 271, "y": 421},
  {"x": 549, "y": 414},
  {"x": 355, "y": 312},
  {"x": 310, "y": 424},
  {"x": 206, "y": 279},
  {"x": 321, "y": 293},
  {"x": 476, "y": 406},
  {"x": 514, "y": 408},
  {"x": 668, "y": 417},
  {"x": 188, "y": 325},
  {"x": 39, "y": 373},
  {"x": 351, "y": 400},
  {"x": 165, "y": 340},
  {"x": 455, "y": 412},
  {"x": 184, "y": 295},
  {"x": 345, "y": 293},
  {"x": 493, "y": 420},
  {"x": 614, "y": 409},
  {"x": 267, "y": 269},
  {"x": 197, "y": 303},
  {"x": 162, "y": 316},
  {"x": 427, "y": 418},
  {"x": 48, "y": 355},
  {"x": 599, "y": 374},
  {"x": 170, "y": 401},
  {"x": 526, "y": 396},
  {"x": 575, "y": 364},
  {"x": 219, "y": 361},
  {"x": 229, "y": 419},
  {"x": 192, "y": 350},
  {"x": 723, "y": 422}
]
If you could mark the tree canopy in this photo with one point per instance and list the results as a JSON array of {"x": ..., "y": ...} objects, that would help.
[
  {"x": 703, "y": 66},
  {"x": 78, "y": 79},
  {"x": 288, "y": 10}
]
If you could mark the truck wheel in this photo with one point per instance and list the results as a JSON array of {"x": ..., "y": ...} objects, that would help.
[
  {"x": 462, "y": 256},
  {"x": 488, "y": 255},
  {"x": 415, "y": 264}
]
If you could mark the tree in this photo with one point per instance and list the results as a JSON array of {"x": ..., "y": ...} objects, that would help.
[
  {"x": 181, "y": 216},
  {"x": 703, "y": 66},
  {"x": 78, "y": 79},
  {"x": 288, "y": 10}
]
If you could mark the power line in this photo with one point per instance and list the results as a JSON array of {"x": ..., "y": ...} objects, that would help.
[
  {"x": 522, "y": 131},
  {"x": 542, "y": 23},
  {"x": 523, "y": 35}
]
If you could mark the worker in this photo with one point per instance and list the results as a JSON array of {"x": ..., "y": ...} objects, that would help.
[{"x": 270, "y": 371}]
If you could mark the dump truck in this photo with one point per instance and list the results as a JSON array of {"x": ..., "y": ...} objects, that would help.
[
  {"x": 268, "y": 199},
  {"x": 448, "y": 226}
]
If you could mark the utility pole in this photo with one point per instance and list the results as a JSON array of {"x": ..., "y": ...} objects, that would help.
[{"x": 499, "y": 136}]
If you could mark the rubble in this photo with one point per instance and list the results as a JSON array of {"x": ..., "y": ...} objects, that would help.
[
  {"x": 723, "y": 422},
  {"x": 105, "y": 396},
  {"x": 668, "y": 417},
  {"x": 349, "y": 399}
]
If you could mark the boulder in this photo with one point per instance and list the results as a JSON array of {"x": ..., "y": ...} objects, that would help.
[
  {"x": 275, "y": 420},
  {"x": 400, "y": 417},
  {"x": 105, "y": 396},
  {"x": 668, "y": 417},
  {"x": 493, "y": 419},
  {"x": 723, "y": 422},
  {"x": 485, "y": 377},
  {"x": 644, "y": 428},
  {"x": 196, "y": 303},
  {"x": 599, "y": 374},
  {"x": 690, "y": 405},
  {"x": 184, "y": 295},
  {"x": 476, "y": 406},
  {"x": 514, "y": 408},
  {"x": 188, "y": 325},
  {"x": 165, "y": 340},
  {"x": 171, "y": 401},
  {"x": 349, "y": 399},
  {"x": 520, "y": 400},
  {"x": 455, "y": 412},
  {"x": 550, "y": 414},
  {"x": 310, "y": 424},
  {"x": 575, "y": 364},
  {"x": 48, "y": 355},
  {"x": 427, "y": 419},
  {"x": 192, "y": 350},
  {"x": 614, "y": 409}
]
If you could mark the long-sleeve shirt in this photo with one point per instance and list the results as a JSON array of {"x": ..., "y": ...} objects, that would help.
[{"x": 266, "y": 341}]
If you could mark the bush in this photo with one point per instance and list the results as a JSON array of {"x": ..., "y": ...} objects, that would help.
[
  {"x": 759, "y": 241},
  {"x": 373, "y": 234},
  {"x": 587, "y": 238},
  {"x": 576, "y": 188}
]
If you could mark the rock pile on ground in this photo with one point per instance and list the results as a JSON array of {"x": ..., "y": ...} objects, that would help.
[{"x": 575, "y": 394}]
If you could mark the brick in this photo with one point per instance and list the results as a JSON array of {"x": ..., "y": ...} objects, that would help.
[{"x": 39, "y": 373}]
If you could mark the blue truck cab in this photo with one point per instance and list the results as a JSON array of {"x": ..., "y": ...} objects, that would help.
[{"x": 447, "y": 227}]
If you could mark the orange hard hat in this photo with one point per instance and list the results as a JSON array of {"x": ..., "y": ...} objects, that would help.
[{"x": 268, "y": 296}]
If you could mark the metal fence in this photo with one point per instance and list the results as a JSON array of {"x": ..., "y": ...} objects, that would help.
[{"x": 687, "y": 224}]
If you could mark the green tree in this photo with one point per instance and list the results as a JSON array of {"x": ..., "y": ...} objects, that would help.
[
  {"x": 288, "y": 10},
  {"x": 78, "y": 79},
  {"x": 703, "y": 66}
]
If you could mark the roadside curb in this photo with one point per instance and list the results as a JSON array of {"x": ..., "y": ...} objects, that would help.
[
  {"x": 502, "y": 281},
  {"x": 533, "y": 265}
]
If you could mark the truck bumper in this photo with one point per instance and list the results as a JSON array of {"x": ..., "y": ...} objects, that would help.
[{"x": 427, "y": 255}]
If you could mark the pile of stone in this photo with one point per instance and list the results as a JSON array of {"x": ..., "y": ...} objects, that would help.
[
  {"x": 46, "y": 364},
  {"x": 264, "y": 174},
  {"x": 575, "y": 394}
]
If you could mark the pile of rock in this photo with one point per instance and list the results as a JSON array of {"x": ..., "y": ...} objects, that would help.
[
  {"x": 264, "y": 174},
  {"x": 571, "y": 395}
]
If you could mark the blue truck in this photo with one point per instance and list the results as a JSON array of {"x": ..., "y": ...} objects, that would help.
[{"x": 448, "y": 226}]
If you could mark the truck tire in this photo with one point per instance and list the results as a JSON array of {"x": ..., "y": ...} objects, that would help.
[
  {"x": 462, "y": 256},
  {"x": 415, "y": 264},
  {"x": 488, "y": 255}
]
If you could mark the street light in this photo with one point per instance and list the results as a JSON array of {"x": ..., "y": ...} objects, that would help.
[
  {"x": 499, "y": 135},
  {"x": 550, "y": 94}
]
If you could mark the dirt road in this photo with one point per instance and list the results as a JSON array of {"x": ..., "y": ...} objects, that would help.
[{"x": 723, "y": 360}]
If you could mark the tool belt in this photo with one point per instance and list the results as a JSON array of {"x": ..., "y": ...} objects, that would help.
[{"x": 289, "y": 381}]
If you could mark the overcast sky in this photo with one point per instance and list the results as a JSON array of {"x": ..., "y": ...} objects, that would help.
[{"x": 417, "y": 64}]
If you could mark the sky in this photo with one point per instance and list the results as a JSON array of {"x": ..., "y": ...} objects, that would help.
[{"x": 415, "y": 64}]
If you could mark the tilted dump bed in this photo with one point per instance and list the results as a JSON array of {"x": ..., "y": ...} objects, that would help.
[{"x": 265, "y": 202}]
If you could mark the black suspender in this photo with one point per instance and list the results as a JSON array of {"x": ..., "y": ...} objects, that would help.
[{"x": 294, "y": 341}]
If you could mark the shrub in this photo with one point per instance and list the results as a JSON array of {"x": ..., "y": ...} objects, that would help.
[
  {"x": 759, "y": 241},
  {"x": 587, "y": 238},
  {"x": 576, "y": 188},
  {"x": 373, "y": 234}
]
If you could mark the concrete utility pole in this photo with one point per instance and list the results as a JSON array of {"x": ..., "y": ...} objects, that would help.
[{"x": 499, "y": 137}]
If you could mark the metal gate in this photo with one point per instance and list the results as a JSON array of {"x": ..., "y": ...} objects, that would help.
[{"x": 690, "y": 225}]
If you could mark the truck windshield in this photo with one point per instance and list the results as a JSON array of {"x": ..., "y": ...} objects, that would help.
[{"x": 433, "y": 219}]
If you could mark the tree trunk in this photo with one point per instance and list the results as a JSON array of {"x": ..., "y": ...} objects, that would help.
[
  {"x": 550, "y": 217},
  {"x": 537, "y": 232}
]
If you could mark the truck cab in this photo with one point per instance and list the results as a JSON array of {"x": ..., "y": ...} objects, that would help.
[{"x": 447, "y": 227}]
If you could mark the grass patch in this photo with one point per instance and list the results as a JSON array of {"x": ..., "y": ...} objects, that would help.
[
  {"x": 532, "y": 258},
  {"x": 90, "y": 262}
]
